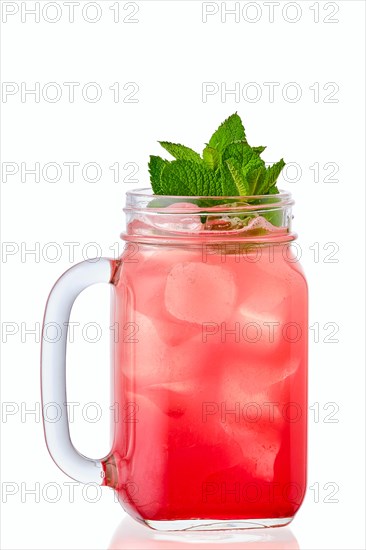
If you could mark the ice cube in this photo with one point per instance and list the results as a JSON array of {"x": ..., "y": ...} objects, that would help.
[
  {"x": 245, "y": 368},
  {"x": 152, "y": 362},
  {"x": 260, "y": 450},
  {"x": 264, "y": 294},
  {"x": 176, "y": 218},
  {"x": 263, "y": 307},
  {"x": 196, "y": 292},
  {"x": 174, "y": 332},
  {"x": 145, "y": 281},
  {"x": 255, "y": 424}
]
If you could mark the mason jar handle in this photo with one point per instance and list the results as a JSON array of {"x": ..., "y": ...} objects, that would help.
[{"x": 53, "y": 368}]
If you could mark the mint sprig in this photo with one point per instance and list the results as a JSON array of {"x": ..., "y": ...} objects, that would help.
[{"x": 229, "y": 166}]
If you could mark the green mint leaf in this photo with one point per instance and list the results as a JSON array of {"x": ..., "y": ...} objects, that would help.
[
  {"x": 184, "y": 177},
  {"x": 271, "y": 177},
  {"x": 243, "y": 153},
  {"x": 275, "y": 216},
  {"x": 180, "y": 152},
  {"x": 254, "y": 172},
  {"x": 247, "y": 170},
  {"x": 259, "y": 150},
  {"x": 230, "y": 130},
  {"x": 237, "y": 150},
  {"x": 156, "y": 166},
  {"x": 228, "y": 186},
  {"x": 255, "y": 179},
  {"x": 238, "y": 176},
  {"x": 273, "y": 190},
  {"x": 211, "y": 157}
]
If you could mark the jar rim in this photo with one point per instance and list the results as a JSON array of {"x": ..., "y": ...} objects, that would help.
[
  {"x": 141, "y": 198},
  {"x": 188, "y": 219}
]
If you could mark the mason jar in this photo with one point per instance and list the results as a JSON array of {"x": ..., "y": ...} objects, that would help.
[{"x": 209, "y": 316}]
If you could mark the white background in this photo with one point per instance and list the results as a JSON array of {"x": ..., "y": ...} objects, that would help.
[{"x": 169, "y": 52}]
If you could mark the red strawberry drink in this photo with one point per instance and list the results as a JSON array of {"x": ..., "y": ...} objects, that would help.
[{"x": 210, "y": 370}]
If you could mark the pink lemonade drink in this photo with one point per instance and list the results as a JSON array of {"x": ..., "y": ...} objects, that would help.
[
  {"x": 210, "y": 373},
  {"x": 209, "y": 319}
]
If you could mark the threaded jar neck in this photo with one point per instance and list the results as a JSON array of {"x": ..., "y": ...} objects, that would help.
[{"x": 190, "y": 219}]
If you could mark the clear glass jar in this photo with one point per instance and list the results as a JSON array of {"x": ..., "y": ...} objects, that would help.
[{"x": 210, "y": 364}]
